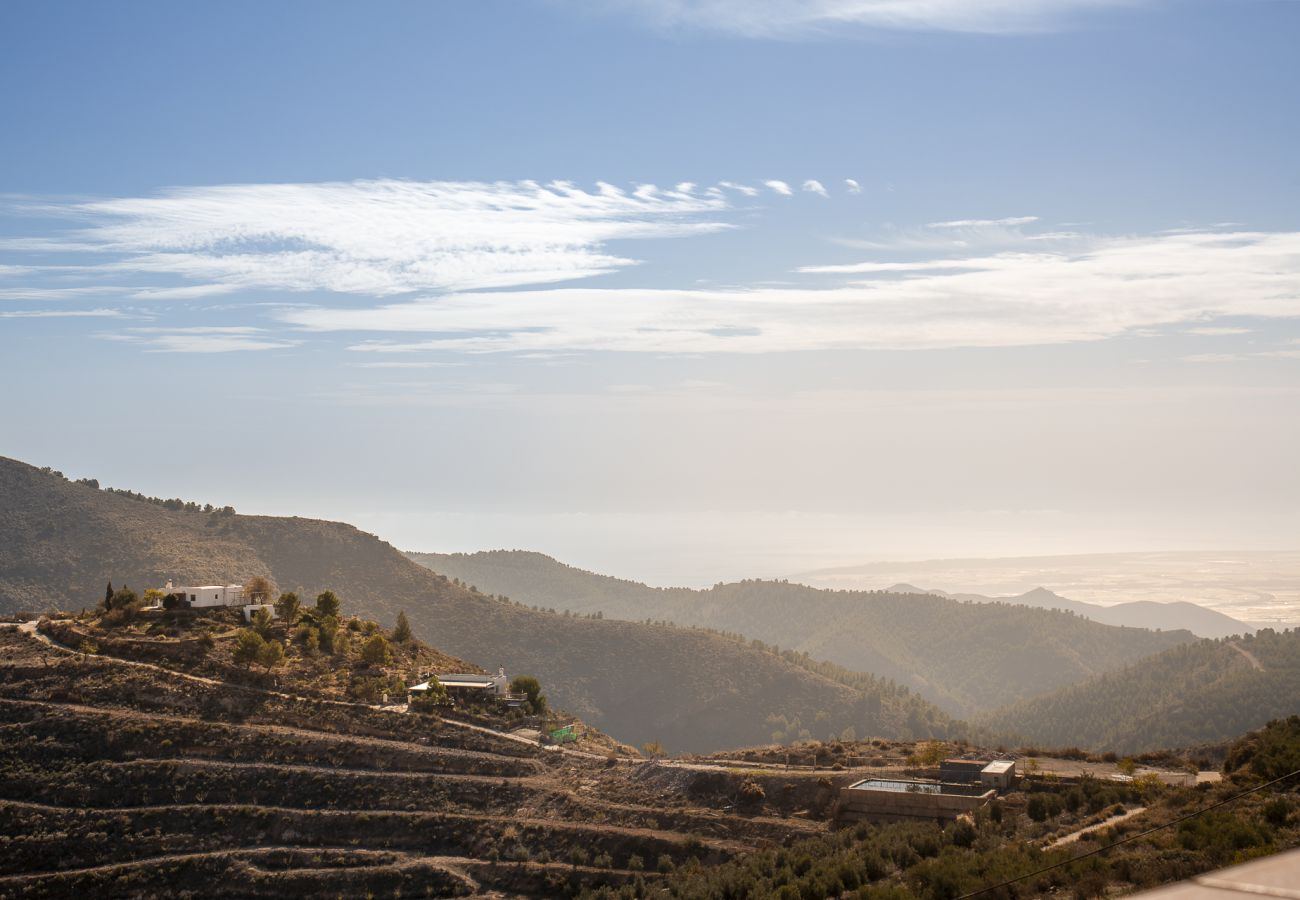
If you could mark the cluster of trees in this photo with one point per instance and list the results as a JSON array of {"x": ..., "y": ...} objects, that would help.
[
  {"x": 321, "y": 629},
  {"x": 168, "y": 503},
  {"x": 251, "y": 647}
]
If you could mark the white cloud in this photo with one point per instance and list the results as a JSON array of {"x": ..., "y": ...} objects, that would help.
[
  {"x": 408, "y": 365},
  {"x": 207, "y": 339},
  {"x": 376, "y": 237},
  {"x": 779, "y": 187},
  {"x": 1218, "y": 331},
  {"x": 853, "y": 186},
  {"x": 813, "y": 186},
  {"x": 1010, "y": 222},
  {"x": 60, "y": 313},
  {"x": 1109, "y": 287},
  {"x": 745, "y": 189},
  {"x": 868, "y": 268},
  {"x": 787, "y": 19}
]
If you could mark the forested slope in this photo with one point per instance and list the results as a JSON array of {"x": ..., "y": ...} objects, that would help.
[
  {"x": 61, "y": 541},
  {"x": 963, "y": 656},
  {"x": 1199, "y": 693}
]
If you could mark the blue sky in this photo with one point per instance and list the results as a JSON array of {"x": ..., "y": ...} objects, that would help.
[{"x": 681, "y": 289}]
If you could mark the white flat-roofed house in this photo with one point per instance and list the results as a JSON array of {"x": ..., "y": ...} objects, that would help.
[{"x": 197, "y": 596}]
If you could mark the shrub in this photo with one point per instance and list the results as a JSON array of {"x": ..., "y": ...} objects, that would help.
[
  {"x": 402, "y": 631},
  {"x": 374, "y": 652},
  {"x": 262, "y": 624},
  {"x": 327, "y": 604},
  {"x": 270, "y": 655},
  {"x": 248, "y": 647},
  {"x": 288, "y": 607},
  {"x": 532, "y": 688}
]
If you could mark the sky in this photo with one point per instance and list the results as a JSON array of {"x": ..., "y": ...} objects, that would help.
[{"x": 682, "y": 290}]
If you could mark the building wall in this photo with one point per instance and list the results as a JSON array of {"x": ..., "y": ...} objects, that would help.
[
  {"x": 229, "y": 595},
  {"x": 862, "y": 805}
]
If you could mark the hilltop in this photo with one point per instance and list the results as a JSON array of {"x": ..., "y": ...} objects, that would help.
[
  {"x": 1199, "y": 693},
  {"x": 60, "y": 541},
  {"x": 1175, "y": 614},
  {"x": 963, "y": 656}
]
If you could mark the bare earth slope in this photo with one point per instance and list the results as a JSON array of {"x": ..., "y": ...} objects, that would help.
[{"x": 60, "y": 542}]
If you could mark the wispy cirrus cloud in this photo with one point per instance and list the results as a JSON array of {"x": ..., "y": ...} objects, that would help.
[
  {"x": 779, "y": 187},
  {"x": 1106, "y": 288},
  {"x": 202, "y": 339},
  {"x": 380, "y": 237},
  {"x": 792, "y": 19},
  {"x": 60, "y": 314},
  {"x": 1008, "y": 222}
]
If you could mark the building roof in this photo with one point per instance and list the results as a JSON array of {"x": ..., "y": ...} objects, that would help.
[
  {"x": 458, "y": 680},
  {"x": 999, "y": 766}
]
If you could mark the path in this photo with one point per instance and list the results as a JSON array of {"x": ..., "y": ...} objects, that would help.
[
  {"x": 1075, "y": 835},
  {"x": 1250, "y": 657}
]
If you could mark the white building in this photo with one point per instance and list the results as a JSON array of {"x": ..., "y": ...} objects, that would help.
[{"x": 208, "y": 594}]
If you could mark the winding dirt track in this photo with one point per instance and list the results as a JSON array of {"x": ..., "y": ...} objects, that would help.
[{"x": 1250, "y": 657}]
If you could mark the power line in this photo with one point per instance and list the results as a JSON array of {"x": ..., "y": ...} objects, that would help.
[{"x": 1132, "y": 837}]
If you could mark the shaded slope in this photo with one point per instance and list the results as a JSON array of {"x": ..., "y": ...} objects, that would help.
[
  {"x": 963, "y": 656},
  {"x": 61, "y": 541},
  {"x": 1200, "y": 693}
]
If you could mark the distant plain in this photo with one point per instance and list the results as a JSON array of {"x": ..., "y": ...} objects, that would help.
[{"x": 1258, "y": 587}]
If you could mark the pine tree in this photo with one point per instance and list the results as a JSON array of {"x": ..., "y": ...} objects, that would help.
[{"x": 402, "y": 631}]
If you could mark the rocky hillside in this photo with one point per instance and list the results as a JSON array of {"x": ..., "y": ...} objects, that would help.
[{"x": 61, "y": 541}]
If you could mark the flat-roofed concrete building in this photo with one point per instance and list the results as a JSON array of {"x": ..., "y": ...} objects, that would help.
[
  {"x": 999, "y": 774},
  {"x": 901, "y": 800}
]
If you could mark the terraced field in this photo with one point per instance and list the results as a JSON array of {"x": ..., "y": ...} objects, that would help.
[{"x": 119, "y": 779}]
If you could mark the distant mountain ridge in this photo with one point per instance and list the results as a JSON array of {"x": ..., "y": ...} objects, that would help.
[
  {"x": 1202, "y": 622},
  {"x": 964, "y": 656},
  {"x": 61, "y": 541}
]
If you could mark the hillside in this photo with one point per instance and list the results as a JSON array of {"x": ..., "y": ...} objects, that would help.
[
  {"x": 1199, "y": 693},
  {"x": 1073, "y": 836},
  {"x": 965, "y": 657},
  {"x": 1171, "y": 615},
  {"x": 61, "y": 541},
  {"x": 125, "y": 778}
]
